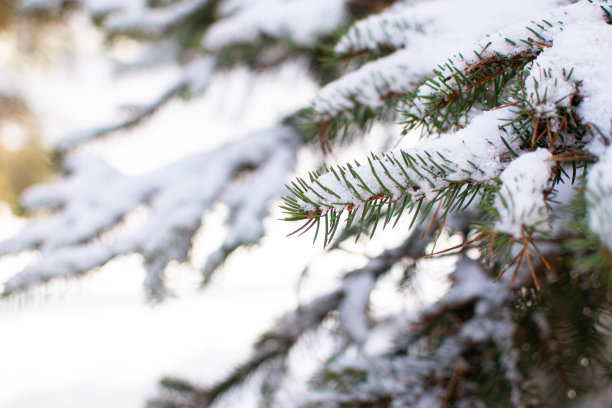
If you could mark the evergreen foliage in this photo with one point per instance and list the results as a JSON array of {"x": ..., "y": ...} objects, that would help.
[{"x": 512, "y": 103}]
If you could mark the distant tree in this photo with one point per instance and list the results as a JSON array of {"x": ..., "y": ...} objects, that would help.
[{"x": 513, "y": 104}]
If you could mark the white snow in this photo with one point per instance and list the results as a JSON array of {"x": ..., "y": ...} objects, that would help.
[
  {"x": 426, "y": 33},
  {"x": 152, "y": 21},
  {"x": 301, "y": 21},
  {"x": 521, "y": 199},
  {"x": 583, "y": 48},
  {"x": 353, "y": 309},
  {"x": 471, "y": 154},
  {"x": 198, "y": 74},
  {"x": 599, "y": 196}
]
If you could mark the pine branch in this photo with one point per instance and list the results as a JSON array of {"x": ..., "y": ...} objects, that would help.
[
  {"x": 403, "y": 179},
  {"x": 155, "y": 23},
  {"x": 463, "y": 82},
  {"x": 430, "y": 31}
]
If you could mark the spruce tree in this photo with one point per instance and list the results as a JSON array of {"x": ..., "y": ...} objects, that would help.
[{"x": 510, "y": 107}]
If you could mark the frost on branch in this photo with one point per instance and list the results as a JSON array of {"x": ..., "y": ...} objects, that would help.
[
  {"x": 521, "y": 201},
  {"x": 421, "y": 35},
  {"x": 94, "y": 198}
]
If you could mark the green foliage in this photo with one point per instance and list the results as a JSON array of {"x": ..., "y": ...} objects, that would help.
[{"x": 560, "y": 307}]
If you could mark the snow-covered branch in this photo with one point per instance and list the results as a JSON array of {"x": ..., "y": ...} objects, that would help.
[
  {"x": 521, "y": 202},
  {"x": 95, "y": 197},
  {"x": 271, "y": 351},
  {"x": 469, "y": 157},
  {"x": 424, "y": 34}
]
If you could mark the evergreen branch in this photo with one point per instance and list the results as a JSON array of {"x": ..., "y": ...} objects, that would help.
[
  {"x": 481, "y": 80},
  {"x": 411, "y": 175},
  {"x": 370, "y": 87},
  {"x": 364, "y": 94},
  {"x": 251, "y": 23},
  {"x": 155, "y": 23},
  {"x": 380, "y": 34}
]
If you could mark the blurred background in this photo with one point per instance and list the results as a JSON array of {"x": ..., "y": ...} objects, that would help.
[{"x": 97, "y": 341}]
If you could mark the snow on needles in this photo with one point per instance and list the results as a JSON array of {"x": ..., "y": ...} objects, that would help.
[
  {"x": 578, "y": 61},
  {"x": 422, "y": 171},
  {"x": 521, "y": 199},
  {"x": 422, "y": 36}
]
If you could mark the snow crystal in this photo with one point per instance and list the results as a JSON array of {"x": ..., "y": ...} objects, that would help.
[{"x": 521, "y": 200}]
